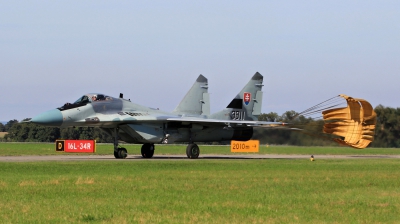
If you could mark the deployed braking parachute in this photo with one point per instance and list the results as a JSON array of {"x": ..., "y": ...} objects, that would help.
[
  {"x": 355, "y": 123},
  {"x": 352, "y": 125}
]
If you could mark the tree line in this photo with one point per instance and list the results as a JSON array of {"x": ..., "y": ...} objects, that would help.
[
  {"x": 29, "y": 132},
  {"x": 387, "y": 131}
]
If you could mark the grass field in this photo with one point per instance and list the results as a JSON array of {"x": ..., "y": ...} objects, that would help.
[
  {"x": 107, "y": 149},
  {"x": 200, "y": 191}
]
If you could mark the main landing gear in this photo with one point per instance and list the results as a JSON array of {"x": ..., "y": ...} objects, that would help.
[
  {"x": 192, "y": 151},
  {"x": 147, "y": 150}
]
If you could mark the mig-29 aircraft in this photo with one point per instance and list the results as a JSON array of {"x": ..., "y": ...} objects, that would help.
[{"x": 190, "y": 122}]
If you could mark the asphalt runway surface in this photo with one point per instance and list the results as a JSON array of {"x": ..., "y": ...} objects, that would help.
[{"x": 34, "y": 158}]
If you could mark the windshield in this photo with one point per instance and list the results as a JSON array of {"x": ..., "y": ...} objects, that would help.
[{"x": 81, "y": 100}]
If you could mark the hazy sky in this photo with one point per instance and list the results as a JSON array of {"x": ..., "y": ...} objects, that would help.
[{"x": 52, "y": 52}]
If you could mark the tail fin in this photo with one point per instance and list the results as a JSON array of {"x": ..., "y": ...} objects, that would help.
[
  {"x": 197, "y": 100},
  {"x": 247, "y": 103}
]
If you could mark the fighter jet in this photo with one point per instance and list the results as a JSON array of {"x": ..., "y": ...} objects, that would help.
[{"x": 190, "y": 121}]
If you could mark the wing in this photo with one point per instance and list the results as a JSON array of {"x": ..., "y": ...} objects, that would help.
[{"x": 217, "y": 122}]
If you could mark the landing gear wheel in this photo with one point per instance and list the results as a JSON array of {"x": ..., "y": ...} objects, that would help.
[
  {"x": 121, "y": 153},
  {"x": 147, "y": 150},
  {"x": 192, "y": 151}
]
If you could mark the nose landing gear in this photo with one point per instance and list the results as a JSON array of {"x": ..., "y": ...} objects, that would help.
[{"x": 119, "y": 153}]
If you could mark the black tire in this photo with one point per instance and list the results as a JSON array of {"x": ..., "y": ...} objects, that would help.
[
  {"x": 116, "y": 155},
  {"x": 192, "y": 151},
  {"x": 147, "y": 150},
  {"x": 122, "y": 153}
]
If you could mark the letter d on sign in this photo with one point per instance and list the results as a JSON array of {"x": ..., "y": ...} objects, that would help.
[{"x": 60, "y": 145}]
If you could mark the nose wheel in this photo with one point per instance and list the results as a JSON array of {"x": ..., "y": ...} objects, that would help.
[{"x": 121, "y": 153}]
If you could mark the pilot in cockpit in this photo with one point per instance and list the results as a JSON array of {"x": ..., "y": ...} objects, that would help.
[
  {"x": 94, "y": 98},
  {"x": 100, "y": 97}
]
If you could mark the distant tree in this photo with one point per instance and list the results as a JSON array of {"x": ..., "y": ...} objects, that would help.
[
  {"x": 29, "y": 132},
  {"x": 308, "y": 132},
  {"x": 272, "y": 135},
  {"x": 2, "y": 127},
  {"x": 17, "y": 132},
  {"x": 288, "y": 116},
  {"x": 10, "y": 124},
  {"x": 387, "y": 130},
  {"x": 86, "y": 133},
  {"x": 101, "y": 136},
  {"x": 44, "y": 134},
  {"x": 270, "y": 117}
]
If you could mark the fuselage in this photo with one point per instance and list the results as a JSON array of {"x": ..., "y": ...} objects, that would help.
[{"x": 136, "y": 123}]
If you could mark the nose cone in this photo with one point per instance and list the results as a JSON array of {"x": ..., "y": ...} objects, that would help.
[{"x": 49, "y": 118}]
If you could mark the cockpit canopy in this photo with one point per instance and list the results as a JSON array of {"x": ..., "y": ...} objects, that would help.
[
  {"x": 92, "y": 97},
  {"x": 85, "y": 99}
]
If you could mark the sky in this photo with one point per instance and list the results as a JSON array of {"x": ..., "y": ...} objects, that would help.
[{"x": 52, "y": 52}]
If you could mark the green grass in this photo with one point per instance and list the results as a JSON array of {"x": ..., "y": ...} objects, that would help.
[
  {"x": 201, "y": 191},
  {"x": 107, "y": 149}
]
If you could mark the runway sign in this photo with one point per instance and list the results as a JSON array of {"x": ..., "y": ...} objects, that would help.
[
  {"x": 76, "y": 146},
  {"x": 247, "y": 146}
]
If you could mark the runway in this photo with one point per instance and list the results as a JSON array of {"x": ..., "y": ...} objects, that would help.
[{"x": 34, "y": 158}]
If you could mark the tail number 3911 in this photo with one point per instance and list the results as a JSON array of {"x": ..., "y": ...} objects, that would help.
[{"x": 238, "y": 115}]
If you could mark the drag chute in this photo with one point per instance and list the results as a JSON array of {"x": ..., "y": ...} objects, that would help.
[
  {"x": 355, "y": 123},
  {"x": 352, "y": 124}
]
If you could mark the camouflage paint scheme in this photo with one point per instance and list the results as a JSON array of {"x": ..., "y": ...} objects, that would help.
[{"x": 191, "y": 120}]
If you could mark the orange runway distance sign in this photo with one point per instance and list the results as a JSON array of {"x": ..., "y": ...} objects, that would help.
[{"x": 247, "y": 146}]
